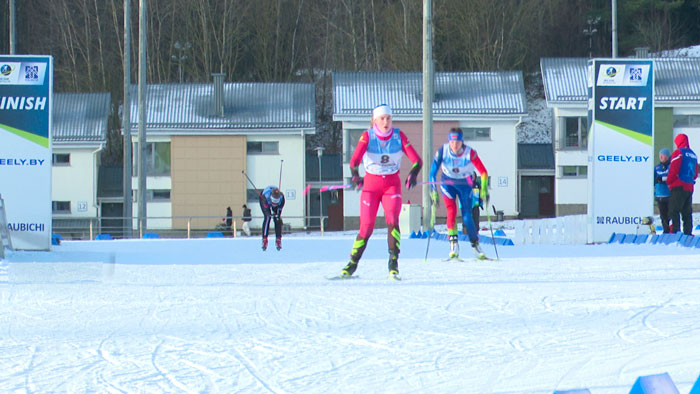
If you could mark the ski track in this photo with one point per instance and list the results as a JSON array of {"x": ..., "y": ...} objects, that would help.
[{"x": 519, "y": 325}]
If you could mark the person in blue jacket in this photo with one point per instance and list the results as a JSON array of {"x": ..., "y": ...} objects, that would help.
[
  {"x": 661, "y": 190},
  {"x": 457, "y": 161},
  {"x": 271, "y": 204}
]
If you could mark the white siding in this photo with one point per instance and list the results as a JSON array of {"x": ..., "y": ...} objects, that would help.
[
  {"x": 76, "y": 182},
  {"x": 264, "y": 170}
]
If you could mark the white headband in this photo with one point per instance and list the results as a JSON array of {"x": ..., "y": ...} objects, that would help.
[{"x": 382, "y": 109}]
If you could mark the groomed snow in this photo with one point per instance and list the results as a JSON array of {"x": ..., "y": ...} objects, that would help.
[{"x": 220, "y": 316}]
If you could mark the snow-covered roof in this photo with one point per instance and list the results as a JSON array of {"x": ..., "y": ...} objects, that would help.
[
  {"x": 190, "y": 107},
  {"x": 565, "y": 79},
  {"x": 80, "y": 117},
  {"x": 456, "y": 93}
]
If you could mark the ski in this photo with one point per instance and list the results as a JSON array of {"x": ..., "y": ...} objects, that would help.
[
  {"x": 454, "y": 259},
  {"x": 342, "y": 277},
  {"x": 394, "y": 276}
]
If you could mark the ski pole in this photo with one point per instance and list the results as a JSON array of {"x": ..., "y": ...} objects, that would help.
[
  {"x": 280, "y": 184},
  {"x": 251, "y": 183},
  {"x": 488, "y": 216},
  {"x": 432, "y": 228}
]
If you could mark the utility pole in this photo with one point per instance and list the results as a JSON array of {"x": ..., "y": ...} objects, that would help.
[
  {"x": 142, "y": 119},
  {"x": 427, "y": 106},
  {"x": 126, "y": 124},
  {"x": 13, "y": 27},
  {"x": 614, "y": 28}
]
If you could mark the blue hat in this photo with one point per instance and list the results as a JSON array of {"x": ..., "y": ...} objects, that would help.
[
  {"x": 455, "y": 135},
  {"x": 665, "y": 152}
]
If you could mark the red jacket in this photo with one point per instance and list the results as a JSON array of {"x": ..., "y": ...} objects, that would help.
[{"x": 678, "y": 162}]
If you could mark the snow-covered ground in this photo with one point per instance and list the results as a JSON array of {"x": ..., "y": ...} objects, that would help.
[{"x": 220, "y": 315}]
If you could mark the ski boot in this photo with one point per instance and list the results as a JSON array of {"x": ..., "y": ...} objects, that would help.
[
  {"x": 477, "y": 251},
  {"x": 349, "y": 269},
  {"x": 278, "y": 243},
  {"x": 394, "y": 266},
  {"x": 264, "y": 245},
  {"x": 454, "y": 247}
]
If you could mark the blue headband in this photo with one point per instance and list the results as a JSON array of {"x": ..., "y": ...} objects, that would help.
[{"x": 454, "y": 136}]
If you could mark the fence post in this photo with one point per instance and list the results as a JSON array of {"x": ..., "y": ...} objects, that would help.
[
  {"x": 234, "y": 229},
  {"x": 188, "y": 227},
  {"x": 322, "y": 225},
  {"x": 91, "y": 233}
]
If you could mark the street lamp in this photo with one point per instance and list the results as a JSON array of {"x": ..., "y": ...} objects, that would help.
[
  {"x": 319, "y": 152},
  {"x": 182, "y": 49},
  {"x": 590, "y": 31}
]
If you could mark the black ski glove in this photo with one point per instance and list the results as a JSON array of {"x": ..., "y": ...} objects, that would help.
[
  {"x": 412, "y": 176},
  {"x": 357, "y": 180}
]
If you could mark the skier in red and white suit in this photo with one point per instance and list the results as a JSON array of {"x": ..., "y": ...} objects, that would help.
[{"x": 380, "y": 150}]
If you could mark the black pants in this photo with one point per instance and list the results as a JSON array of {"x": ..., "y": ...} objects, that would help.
[
  {"x": 662, "y": 203},
  {"x": 680, "y": 207},
  {"x": 266, "y": 226}
]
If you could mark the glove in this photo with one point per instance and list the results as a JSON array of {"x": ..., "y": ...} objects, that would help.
[
  {"x": 436, "y": 199},
  {"x": 484, "y": 194},
  {"x": 412, "y": 176},
  {"x": 357, "y": 181}
]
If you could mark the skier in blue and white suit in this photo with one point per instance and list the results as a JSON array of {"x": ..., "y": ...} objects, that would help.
[
  {"x": 457, "y": 162},
  {"x": 271, "y": 204}
]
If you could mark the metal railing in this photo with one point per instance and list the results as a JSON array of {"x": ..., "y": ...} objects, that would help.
[{"x": 117, "y": 227}]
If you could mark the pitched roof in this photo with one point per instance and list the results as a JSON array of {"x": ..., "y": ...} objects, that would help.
[
  {"x": 246, "y": 106},
  {"x": 456, "y": 93},
  {"x": 80, "y": 117},
  {"x": 566, "y": 79}
]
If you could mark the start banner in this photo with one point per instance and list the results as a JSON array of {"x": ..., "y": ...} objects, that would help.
[
  {"x": 26, "y": 94},
  {"x": 620, "y": 147}
]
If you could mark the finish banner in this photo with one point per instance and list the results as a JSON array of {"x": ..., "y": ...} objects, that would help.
[
  {"x": 26, "y": 94},
  {"x": 620, "y": 146}
]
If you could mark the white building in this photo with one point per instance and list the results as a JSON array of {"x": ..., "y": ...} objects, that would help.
[
  {"x": 79, "y": 135},
  {"x": 676, "y": 110},
  {"x": 203, "y": 137},
  {"x": 487, "y": 106}
]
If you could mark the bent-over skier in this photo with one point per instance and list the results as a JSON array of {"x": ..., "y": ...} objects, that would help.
[{"x": 271, "y": 204}]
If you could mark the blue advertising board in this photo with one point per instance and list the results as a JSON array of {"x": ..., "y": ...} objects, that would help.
[{"x": 26, "y": 94}]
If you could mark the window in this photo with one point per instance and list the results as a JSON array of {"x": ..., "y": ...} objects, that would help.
[
  {"x": 263, "y": 147},
  {"x": 157, "y": 159},
  {"x": 158, "y": 195},
  {"x": 686, "y": 120},
  {"x": 574, "y": 171},
  {"x": 575, "y": 133},
  {"x": 60, "y": 206},
  {"x": 252, "y": 195},
  {"x": 476, "y": 133},
  {"x": 353, "y": 136},
  {"x": 61, "y": 159},
  {"x": 155, "y": 195}
]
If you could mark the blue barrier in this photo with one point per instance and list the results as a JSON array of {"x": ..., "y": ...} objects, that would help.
[
  {"x": 499, "y": 233},
  {"x": 641, "y": 239},
  {"x": 56, "y": 239},
  {"x": 103, "y": 237},
  {"x": 685, "y": 240},
  {"x": 575, "y": 391},
  {"x": 660, "y": 383},
  {"x": 696, "y": 387},
  {"x": 668, "y": 239},
  {"x": 616, "y": 238},
  {"x": 151, "y": 236},
  {"x": 215, "y": 234},
  {"x": 629, "y": 238}
]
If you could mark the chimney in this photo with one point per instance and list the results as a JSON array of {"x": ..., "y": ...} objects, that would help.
[
  {"x": 218, "y": 99},
  {"x": 641, "y": 52}
]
